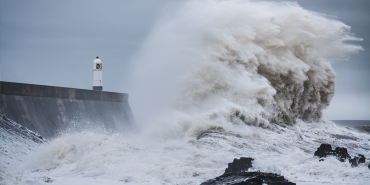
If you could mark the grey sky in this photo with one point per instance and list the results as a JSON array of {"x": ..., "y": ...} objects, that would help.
[{"x": 55, "y": 43}]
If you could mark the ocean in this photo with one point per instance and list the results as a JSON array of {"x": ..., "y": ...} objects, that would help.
[
  {"x": 214, "y": 81},
  {"x": 360, "y": 125}
]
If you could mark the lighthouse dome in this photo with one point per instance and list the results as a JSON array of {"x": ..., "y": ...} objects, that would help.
[{"x": 97, "y": 60}]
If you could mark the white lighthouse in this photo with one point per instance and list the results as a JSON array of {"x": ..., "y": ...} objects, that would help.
[{"x": 98, "y": 76}]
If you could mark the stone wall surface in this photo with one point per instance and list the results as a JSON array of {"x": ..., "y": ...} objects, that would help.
[{"x": 48, "y": 110}]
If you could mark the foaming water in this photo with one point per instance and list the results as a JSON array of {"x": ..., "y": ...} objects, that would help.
[
  {"x": 89, "y": 157},
  {"x": 218, "y": 80}
]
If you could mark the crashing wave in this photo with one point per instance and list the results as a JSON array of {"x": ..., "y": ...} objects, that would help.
[
  {"x": 16, "y": 141},
  {"x": 250, "y": 62},
  {"x": 10, "y": 127}
]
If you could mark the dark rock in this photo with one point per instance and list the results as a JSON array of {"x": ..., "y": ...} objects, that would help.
[
  {"x": 252, "y": 181},
  {"x": 362, "y": 158},
  {"x": 239, "y": 165},
  {"x": 325, "y": 150},
  {"x": 340, "y": 153},
  {"x": 368, "y": 166},
  {"x": 236, "y": 174},
  {"x": 248, "y": 178},
  {"x": 357, "y": 160}
]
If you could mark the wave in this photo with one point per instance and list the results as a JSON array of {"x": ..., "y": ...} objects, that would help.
[
  {"x": 257, "y": 63},
  {"x": 15, "y": 141}
]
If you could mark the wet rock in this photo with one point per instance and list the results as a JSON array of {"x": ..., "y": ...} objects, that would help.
[
  {"x": 239, "y": 165},
  {"x": 237, "y": 174},
  {"x": 325, "y": 150},
  {"x": 340, "y": 153},
  {"x": 249, "y": 178},
  {"x": 357, "y": 160}
]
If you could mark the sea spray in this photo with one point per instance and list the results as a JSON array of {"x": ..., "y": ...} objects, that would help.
[{"x": 255, "y": 63}]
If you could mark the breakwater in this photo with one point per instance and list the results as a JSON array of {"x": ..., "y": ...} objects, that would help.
[{"x": 48, "y": 110}]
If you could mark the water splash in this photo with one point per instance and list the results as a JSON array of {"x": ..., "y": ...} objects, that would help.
[{"x": 252, "y": 62}]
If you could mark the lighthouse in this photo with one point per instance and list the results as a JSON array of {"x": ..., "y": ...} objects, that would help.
[{"x": 98, "y": 76}]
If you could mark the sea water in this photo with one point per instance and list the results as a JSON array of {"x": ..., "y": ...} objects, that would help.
[
  {"x": 215, "y": 80},
  {"x": 103, "y": 158},
  {"x": 360, "y": 125}
]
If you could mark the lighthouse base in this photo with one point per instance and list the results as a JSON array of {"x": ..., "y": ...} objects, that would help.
[{"x": 97, "y": 88}]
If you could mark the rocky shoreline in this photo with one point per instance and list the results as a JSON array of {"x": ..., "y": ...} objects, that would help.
[{"x": 237, "y": 172}]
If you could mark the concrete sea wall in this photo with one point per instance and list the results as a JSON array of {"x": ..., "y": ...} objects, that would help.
[{"x": 48, "y": 110}]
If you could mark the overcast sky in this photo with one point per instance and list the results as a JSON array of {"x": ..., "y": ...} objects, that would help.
[{"x": 55, "y": 42}]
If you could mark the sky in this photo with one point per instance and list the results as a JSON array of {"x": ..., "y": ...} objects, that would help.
[{"x": 55, "y": 42}]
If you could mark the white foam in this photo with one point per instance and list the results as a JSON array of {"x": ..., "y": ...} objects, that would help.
[{"x": 87, "y": 156}]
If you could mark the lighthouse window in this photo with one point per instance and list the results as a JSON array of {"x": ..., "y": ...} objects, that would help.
[{"x": 98, "y": 66}]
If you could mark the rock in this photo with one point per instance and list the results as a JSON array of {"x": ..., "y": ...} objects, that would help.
[
  {"x": 239, "y": 165},
  {"x": 325, "y": 150},
  {"x": 236, "y": 174},
  {"x": 340, "y": 153},
  {"x": 249, "y": 178},
  {"x": 357, "y": 160}
]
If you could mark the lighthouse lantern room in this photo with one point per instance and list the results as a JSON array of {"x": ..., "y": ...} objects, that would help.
[{"x": 97, "y": 72}]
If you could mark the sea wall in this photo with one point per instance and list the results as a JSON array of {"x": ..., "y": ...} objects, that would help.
[{"x": 49, "y": 110}]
